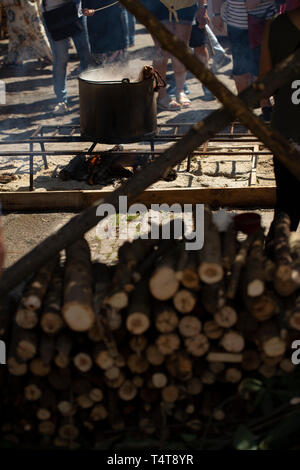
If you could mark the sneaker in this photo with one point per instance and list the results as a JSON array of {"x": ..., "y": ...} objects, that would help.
[
  {"x": 266, "y": 113},
  {"x": 75, "y": 73},
  {"x": 60, "y": 108},
  {"x": 208, "y": 96},
  {"x": 220, "y": 63}
]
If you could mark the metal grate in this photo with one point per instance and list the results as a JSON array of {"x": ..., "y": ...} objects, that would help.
[{"x": 166, "y": 133}]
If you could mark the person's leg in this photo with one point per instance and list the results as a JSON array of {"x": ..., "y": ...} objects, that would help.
[
  {"x": 242, "y": 81},
  {"x": 160, "y": 62},
  {"x": 126, "y": 22},
  {"x": 59, "y": 68},
  {"x": 241, "y": 56},
  {"x": 183, "y": 32},
  {"x": 131, "y": 28},
  {"x": 265, "y": 103},
  {"x": 81, "y": 42},
  {"x": 287, "y": 193},
  {"x": 202, "y": 54},
  {"x": 60, "y": 56}
]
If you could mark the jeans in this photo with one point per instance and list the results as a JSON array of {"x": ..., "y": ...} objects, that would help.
[
  {"x": 130, "y": 25},
  {"x": 61, "y": 55},
  {"x": 287, "y": 193}
]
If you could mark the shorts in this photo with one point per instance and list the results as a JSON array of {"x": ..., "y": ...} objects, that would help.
[
  {"x": 185, "y": 15},
  {"x": 198, "y": 36},
  {"x": 241, "y": 52}
]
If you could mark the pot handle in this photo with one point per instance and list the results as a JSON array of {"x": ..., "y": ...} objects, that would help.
[{"x": 159, "y": 81}]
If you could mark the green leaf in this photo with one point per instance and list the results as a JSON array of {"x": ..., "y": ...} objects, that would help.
[
  {"x": 282, "y": 435},
  {"x": 251, "y": 385},
  {"x": 243, "y": 439},
  {"x": 188, "y": 437}
]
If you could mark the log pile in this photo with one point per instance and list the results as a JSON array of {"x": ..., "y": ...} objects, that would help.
[{"x": 156, "y": 342}]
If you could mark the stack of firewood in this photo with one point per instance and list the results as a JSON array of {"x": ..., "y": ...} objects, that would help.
[{"x": 158, "y": 340}]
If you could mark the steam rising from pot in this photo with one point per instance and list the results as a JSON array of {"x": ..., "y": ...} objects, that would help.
[{"x": 114, "y": 72}]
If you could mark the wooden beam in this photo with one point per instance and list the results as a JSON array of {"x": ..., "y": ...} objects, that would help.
[{"x": 262, "y": 197}]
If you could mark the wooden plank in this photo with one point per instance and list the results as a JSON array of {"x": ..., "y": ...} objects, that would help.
[{"x": 262, "y": 197}]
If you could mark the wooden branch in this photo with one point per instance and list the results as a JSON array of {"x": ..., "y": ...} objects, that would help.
[
  {"x": 138, "y": 318},
  {"x": 78, "y": 309},
  {"x": 163, "y": 283},
  {"x": 51, "y": 318},
  {"x": 283, "y": 282},
  {"x": 229, "y": 247},
  {"x": 210, "y": 257},
  {"x": 255, "y": 273},
  {"x": 238, "y": 264},
  {"x": 37, "y": 288}
]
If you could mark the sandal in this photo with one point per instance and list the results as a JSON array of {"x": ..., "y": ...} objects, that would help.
[
  {"x": 183, "y": 100},
  {"x": 168, "y": 104}
]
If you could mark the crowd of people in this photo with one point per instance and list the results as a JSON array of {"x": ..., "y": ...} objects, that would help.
[{"x": 102, "y": 31}]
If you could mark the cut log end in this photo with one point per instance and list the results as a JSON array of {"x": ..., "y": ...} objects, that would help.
[
  {"x": 184, "y": 301},
  {"x": 226, "y": 317},
  {"x": 51, "y": 323},
  {"x": 119, "y": 300},
  {"x": 197, "y": 345},
  {"x": 210, "y": 273},
  {"x": 78, "y": 317},
  {"x": 163, "y": 284},
  {"x": 274, "y": 347},
  {"x": 83, "y": 362},
  {"x": 255, "y": 288},
  {"x": 137, "y": 323}
]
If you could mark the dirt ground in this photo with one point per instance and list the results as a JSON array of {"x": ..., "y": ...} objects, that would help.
[{"x": 29, "y": 103}]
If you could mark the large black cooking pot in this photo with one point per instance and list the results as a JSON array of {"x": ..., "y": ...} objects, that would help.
[{"x": 117, "y": 112}]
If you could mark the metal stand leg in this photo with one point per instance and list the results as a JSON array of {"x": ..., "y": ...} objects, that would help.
[
  {"x": 31, "y": 167},
  {"x": 188, "y": 167},
  {"x": 44, "y": 156},
  {"x": 152, "y": 146},
  {"x": 92, "y": 147},
  {"x": 43, "y": 150}
]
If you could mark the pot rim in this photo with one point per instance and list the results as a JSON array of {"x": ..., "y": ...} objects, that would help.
[{"x": 113, "y": 82}]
